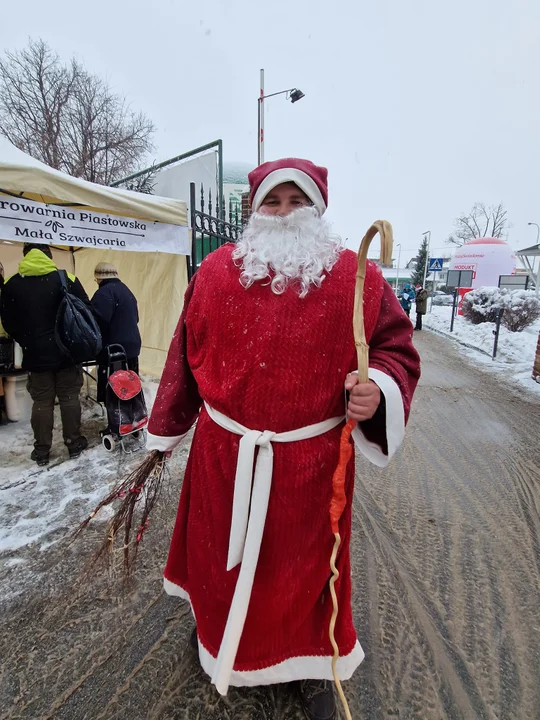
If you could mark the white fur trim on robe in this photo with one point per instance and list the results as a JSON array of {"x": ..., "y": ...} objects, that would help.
[
  {"x": 165, "y": 444},
  {"x": 302, "y": 667},
  {"x": 395, "y": 422}
]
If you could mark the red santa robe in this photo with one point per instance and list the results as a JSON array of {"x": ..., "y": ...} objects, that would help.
[{"x": 273, "y": 363}]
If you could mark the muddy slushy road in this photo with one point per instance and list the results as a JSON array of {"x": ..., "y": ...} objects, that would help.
[{"x": 446, "y": 553}]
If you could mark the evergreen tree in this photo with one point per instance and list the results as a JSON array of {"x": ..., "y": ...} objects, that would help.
[
  {"x": 417, "y": 275},
  {"x": 142, "y": 183}
]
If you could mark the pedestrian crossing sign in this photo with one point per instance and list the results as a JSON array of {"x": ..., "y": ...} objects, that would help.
[{"x": 435, "y": 264}]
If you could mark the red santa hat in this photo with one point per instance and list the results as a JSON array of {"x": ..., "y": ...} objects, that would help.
[{"x": 310, "y": 178}]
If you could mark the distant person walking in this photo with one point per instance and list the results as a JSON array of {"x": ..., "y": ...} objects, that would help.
[
  {"x": 421, "y": 305},
  {"x": 117, "y": 314}
]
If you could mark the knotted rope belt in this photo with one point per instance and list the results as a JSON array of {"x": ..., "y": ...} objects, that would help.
[{"x": 250, "y": 505}]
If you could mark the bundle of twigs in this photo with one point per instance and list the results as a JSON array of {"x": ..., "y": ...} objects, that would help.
[{"x": 140, "y": 490}]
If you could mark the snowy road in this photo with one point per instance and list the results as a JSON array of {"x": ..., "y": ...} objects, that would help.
[
  {"x": 446, "y": 554},
  {"x": 448, "y": 572}
]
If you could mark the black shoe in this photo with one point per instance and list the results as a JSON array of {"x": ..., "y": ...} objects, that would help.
[
  {"x": 317, "y": 699},
  {"x": 40, "y": 458},
  {"x": 76, "y": 448},
  {"x": 193, "y": 640}
]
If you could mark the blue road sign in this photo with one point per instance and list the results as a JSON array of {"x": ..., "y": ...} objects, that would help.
[{"x": 435, "y": 264}]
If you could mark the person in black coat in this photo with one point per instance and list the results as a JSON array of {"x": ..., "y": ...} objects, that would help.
[
  {"x": 28, "y": 306},
  {"x": 117, "y": 314}
]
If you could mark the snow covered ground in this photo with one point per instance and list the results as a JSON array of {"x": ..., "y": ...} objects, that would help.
[
  {"x": 515, "y": 353},
  {"x": 38, "y": 506}
]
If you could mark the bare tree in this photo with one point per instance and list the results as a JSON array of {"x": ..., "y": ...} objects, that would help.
[
  {"x": 68, "y": 118},
  {"x": 481, "y": 221}
]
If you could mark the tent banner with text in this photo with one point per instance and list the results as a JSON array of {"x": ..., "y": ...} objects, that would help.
[{"x": 29, "y": 221}]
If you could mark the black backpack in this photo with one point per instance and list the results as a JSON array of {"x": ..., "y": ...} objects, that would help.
[{"x": 76, "y": 332}]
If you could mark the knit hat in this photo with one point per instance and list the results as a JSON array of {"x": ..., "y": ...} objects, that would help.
[
  {"x": 310, "y": 178},
  {"x": 105, "y": 271}
]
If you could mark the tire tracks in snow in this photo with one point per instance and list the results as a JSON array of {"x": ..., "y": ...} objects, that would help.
[{"x": 424, "y": 613}]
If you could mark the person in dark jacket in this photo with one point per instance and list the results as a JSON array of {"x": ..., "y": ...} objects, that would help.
[
  {"x": 3, "y": 338},
  {"x": 2, "y": 331},
  {"x": 421, "y": 305},
  {"x": 28, "y": 308},
  {"x": 117, "y": 314}
]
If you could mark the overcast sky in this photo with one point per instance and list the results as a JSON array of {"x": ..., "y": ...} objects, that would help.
[{"x": 418, "y": 108}]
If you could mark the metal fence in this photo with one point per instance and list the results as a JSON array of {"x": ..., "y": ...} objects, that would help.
[{"x": 212, "y": 225}]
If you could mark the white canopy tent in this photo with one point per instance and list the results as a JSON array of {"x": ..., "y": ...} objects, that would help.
[
  {"x": 21, "y": 174},
  {"x": 149, "y": 234},
  {"x": 528, "y": 258}
]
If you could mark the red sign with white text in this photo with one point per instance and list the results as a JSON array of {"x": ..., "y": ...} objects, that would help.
[{"x": 461, "y": 293}]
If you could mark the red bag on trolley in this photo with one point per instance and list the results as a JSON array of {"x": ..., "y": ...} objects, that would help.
[{"x": 126, "y": 407}]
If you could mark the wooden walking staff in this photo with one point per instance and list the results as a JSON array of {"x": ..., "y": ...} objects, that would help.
[{"x": 339, "y": 499}]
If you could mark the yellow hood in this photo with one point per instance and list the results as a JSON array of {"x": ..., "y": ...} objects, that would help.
[{"x": 36, "y": 263}]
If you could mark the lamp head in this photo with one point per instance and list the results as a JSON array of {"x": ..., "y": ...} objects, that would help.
[{"x": 296, "y": 95}]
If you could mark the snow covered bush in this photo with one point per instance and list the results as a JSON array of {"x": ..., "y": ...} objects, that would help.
[
  {"x": 521, "y": 307},
  {"x": 481, "y": 305}
]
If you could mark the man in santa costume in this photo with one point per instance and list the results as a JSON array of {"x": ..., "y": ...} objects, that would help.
[{"x": 264, "y": 358}]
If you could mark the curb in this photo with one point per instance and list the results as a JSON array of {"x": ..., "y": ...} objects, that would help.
[{"x": 459, "y": 342}]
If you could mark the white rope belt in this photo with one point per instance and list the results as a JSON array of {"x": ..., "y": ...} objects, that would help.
[{"x": 250, "y": 505}]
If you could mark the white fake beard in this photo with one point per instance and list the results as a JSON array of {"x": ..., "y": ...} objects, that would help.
[{"x": 297, "y": 249}]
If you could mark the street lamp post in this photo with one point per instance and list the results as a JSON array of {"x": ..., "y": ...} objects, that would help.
[
  {"x": 293, "y": 94},
  {"x": 260, "y": 157},
  {"x": 537, "y": 231},
  {"x": 398, "y": 263},
  {"x": 428, "y": 233}
]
